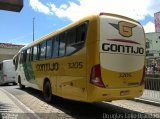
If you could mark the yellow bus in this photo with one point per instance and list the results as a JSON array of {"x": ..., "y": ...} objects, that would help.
[{"x": 98, "y": 58}]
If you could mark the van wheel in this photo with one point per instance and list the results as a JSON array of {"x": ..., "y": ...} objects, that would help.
[
  {"x": 20, "y": 85},
  {"x": 14, "y": 83},
  {"x": 47, "y": 92}
]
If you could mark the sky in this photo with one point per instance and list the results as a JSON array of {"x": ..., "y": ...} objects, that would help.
[{"x": 50, "y": 15}]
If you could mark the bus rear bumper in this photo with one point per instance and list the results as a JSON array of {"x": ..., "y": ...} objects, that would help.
[{"x": 102, "y": 94}]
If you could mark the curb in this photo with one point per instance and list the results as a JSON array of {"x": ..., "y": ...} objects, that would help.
[{"x": 150, "y": 102}]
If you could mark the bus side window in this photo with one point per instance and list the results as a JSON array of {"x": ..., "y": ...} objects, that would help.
[
  {"x": 62, "y": 45},
  {"x": 71, "y": 38},
  {"x": 21, "y": 58},
  {"x": 55, "y": 47},
  {"x": 28, "y": 55},
  {"x": 38, "y": 51},
  {"x": 24, "y": 56},
  {"x": 76, "y": 38},
  {"x": 42, "y": 50},
  {"x": 16, "y": 61},
  {"x": 31, "y": 54},
  {"x": 35, "y": 54},
  {"x": 81, "y": 32},
  {"x": 49, "y": 49}
]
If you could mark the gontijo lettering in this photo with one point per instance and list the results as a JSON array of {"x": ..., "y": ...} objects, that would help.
[
  {"x": 134, "y": 48},
  {"x": 126, "y": 49},
  {"x": 47, "y": 67}
]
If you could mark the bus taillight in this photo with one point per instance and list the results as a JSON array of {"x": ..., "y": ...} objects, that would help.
[
  {"x": 4, "y": 77},
  {"x": 142, "y": 81},
  {"x": 95, "y": 77}
]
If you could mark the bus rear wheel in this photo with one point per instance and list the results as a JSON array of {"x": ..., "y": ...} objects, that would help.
[{"x": 47, "y": 92}]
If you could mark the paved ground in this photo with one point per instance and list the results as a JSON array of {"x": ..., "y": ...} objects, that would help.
[
  {"x": 8, "y": 106},
  {"x": 66, "y": 109},
  {"x": 12, "y": 108}
]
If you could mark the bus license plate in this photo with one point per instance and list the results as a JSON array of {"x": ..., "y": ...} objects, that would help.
[{"x": 124, "y": 92}]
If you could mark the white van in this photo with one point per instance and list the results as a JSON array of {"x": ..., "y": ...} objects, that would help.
[{"x": 7, "y": 72}]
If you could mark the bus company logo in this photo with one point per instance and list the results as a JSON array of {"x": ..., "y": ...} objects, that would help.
[{"x": 124, "y": 28}]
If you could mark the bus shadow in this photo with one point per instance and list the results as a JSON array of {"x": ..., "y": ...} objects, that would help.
[{"x": 81, "y": 110}]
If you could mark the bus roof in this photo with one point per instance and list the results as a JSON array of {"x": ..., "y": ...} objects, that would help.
[
  {"x": 87, "y": 18},
  {"x": 56, "y": 32}
]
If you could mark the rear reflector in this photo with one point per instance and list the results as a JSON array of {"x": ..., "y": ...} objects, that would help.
[{"x": 95, "y": 77}]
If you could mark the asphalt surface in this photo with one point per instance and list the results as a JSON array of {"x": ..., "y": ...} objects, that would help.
[{"x": 29, "y": 103}]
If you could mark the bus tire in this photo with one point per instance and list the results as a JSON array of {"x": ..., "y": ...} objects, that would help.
[
  {"x": 47, "y": 92},
  {"x": 20, "y": 84}
]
